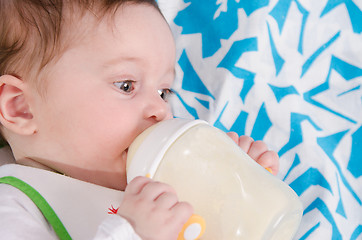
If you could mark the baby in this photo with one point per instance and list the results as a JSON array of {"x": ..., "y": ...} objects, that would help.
[{"x": 79, "y": 80}]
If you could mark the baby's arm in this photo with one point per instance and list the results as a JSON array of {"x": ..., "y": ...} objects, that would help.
[
  {"x": 258, "y": 151},
  {"x": 153, "y": 209}
]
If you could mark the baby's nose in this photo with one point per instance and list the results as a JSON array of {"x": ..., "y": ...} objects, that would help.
[{"x": 156, "y": 108}]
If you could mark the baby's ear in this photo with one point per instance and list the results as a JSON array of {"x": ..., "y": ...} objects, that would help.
[{"x": 15, "y": 114}]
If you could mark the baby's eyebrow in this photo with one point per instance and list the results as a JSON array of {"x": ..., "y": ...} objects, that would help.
[{"x": 118, "y": 60}]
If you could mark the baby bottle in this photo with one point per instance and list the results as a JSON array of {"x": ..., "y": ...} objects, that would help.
[{"x": 233, "y": 197}]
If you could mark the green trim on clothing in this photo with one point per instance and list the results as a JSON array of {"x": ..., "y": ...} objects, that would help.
[{"x": 41, "y": 203}]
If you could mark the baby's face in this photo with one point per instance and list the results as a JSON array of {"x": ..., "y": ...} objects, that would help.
[{"x": 104, "y": 91}]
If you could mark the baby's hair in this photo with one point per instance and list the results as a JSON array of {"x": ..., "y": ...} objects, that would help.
[{"x": 32, "y": 32}]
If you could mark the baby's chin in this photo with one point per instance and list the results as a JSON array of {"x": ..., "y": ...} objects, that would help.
[
  {"x": 112, "y": 176},
  {"x": 115, "y": 180}
]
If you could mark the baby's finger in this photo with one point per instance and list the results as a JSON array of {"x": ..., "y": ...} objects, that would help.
[
  {"x": 269, "y": 159},
  {"x": 153, "y": 190},
  {"x": 136, "y": 185},
  {"x": 234, "y": 136},
  {"x": 166, "y": 200},
  {"x": 183, "y": 211},
  {"x": 257, "y": 148},
  {"x": 245, "y": 143}
]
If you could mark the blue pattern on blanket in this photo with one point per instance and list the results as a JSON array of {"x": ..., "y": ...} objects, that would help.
[{"x": 288, "y": 72}]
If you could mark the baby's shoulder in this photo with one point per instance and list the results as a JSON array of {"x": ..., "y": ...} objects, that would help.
[
  {"x": 15, "y": 202},
  {"x": 14, "y": 198},
  {"x": 17, "y": 209}
]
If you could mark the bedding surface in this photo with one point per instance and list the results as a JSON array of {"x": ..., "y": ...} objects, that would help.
[{"x": 288, "y": 72}]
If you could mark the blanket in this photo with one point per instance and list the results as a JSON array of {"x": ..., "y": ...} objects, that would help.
[{"x": 288, "y": 72}]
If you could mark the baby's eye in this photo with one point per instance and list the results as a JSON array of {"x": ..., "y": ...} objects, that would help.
[
  {"x": 126, "y": 86},
  {"x": 165, "y": 93}
]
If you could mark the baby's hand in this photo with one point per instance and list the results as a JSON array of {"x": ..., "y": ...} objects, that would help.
[
  {"x": 258, "y": 151},
  {"x": 153, "y": 209}
]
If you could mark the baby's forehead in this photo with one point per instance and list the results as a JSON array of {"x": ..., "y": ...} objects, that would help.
[
  {"x": 125, "y": 31},
  {"x": 78, "y": 27},
  {"x": 88, "y": 26},
  {"x": 80, "y": 23}
]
